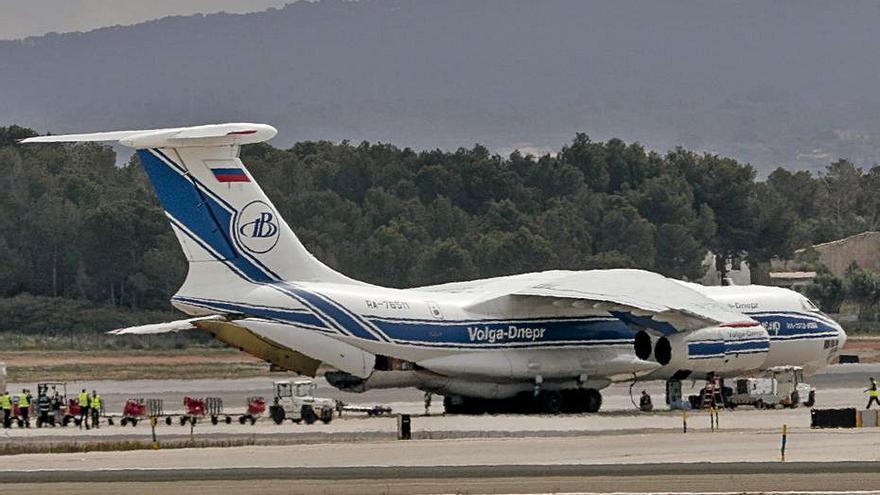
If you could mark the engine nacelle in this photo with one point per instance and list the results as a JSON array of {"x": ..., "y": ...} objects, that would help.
[{"x": 721, "y": 349}]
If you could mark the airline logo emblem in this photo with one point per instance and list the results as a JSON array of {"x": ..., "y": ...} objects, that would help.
[{"x": 256, "y": 228}]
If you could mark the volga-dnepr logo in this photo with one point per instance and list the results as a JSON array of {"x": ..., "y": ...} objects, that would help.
[{"x": 256, "y": 227}]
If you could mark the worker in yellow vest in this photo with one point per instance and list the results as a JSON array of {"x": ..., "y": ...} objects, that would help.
[
  {"x": 83, "y": 401},
  {"x": 6, "y": 405},
  {"x": 95, "y": 406},
  {"x": 874, "y": 393},
  {"x": 24, "y": 408}
]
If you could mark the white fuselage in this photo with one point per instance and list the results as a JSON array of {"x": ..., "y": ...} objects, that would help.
[{"x": 437, "y": 343}]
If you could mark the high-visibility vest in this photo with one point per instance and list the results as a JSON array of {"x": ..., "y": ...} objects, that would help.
[
  {"x": 84, "y": 399},
  {"x": 5, "y": 402},
  {"x": 96, "y": 402},
  {"x": 23, "y": 400}
]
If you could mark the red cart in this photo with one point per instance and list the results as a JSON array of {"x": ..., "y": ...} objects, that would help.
[{"x": 256, "y": 407}]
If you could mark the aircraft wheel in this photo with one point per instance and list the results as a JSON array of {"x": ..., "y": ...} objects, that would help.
[
  {"x": 308, "y": 415},
  {"x": 134, "y": 422},
  {"x": 550, "y": 401},
  {"x": 452, "y": 404},
  {"x": 593, "y": 400},
  {"x": 326, "y": 415},
  {"x": 573, "y": 401},
  {"x": 123, "y": 421},
  {"x": 242, "y": 419},
  {"x": 168, "y": 420},
  {"x": 214, "y": 420},
  {"x": 277, "y": 413},
  {"x": 811, "y": 399}
]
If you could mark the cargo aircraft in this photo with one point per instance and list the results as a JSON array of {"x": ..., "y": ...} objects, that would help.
[{"x": 546, "y": 341}]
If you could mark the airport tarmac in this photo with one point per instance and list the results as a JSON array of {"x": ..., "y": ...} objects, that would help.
[{"x": 618, "y": 449}]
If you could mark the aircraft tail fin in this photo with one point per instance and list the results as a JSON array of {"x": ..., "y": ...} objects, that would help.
[{"x": 226, "y": 225}]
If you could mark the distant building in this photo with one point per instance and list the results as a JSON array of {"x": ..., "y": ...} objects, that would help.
[
  {"x": 791, "y": 279},
  {"x": 862, "y": 249}
]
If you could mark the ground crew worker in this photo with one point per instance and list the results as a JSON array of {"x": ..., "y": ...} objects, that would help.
[
  {"x": 428, "y": 396},
  {"x": 83, "y": 401},
  {"x": 57, "y": 406},
  {"x": 95, "y": 406},
  {"x": 6, "y": 405},
  {"x": 24, "y": 407},
  {"x": 874, "y": 393},
  {"x": 645, "y": 403},
  {"x": 44, "y": 406}
]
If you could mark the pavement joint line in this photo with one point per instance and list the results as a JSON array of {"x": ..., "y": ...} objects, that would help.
[{"x": 434, "y": 472}]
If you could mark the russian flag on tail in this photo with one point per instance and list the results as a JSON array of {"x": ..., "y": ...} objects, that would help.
[{"x": 230, "y": 175}]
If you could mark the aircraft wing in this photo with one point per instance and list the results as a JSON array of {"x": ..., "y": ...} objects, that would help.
[{"x": 637, "y": 297}]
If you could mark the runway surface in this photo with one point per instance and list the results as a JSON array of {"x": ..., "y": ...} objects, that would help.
[{"x": 619, "y": 449}]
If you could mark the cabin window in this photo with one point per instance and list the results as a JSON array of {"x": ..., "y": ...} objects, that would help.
[{"x": 809, "y": 306}]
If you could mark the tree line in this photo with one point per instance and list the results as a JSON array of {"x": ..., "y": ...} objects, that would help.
[{"x": 75, "y": 225}]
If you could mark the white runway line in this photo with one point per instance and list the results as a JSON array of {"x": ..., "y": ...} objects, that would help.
[{"x": 702, "y": 492}]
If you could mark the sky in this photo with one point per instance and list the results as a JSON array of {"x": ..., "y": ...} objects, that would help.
[{"x": 23, "y": 18}]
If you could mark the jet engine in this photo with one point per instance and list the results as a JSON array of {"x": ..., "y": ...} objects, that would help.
[{"x": 720, "y": 349}]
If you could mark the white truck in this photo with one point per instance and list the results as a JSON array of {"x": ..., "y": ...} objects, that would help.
[
  {"x": 294, "y": 400},
  {"x": 783, "y": 387}
]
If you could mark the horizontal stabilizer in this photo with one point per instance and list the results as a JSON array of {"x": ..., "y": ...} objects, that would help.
[
  {"x": 167, "y": 327},
  {"x": 179, "y": 137}
]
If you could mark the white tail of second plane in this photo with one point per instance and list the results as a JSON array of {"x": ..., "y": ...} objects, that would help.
[{"x": 228, "y": 229}]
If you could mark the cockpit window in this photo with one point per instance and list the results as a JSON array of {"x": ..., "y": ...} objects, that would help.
[{"x": 809, "y": 306}]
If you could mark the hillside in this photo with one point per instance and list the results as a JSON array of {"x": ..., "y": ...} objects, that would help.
[{"x": 785, "y": 83}]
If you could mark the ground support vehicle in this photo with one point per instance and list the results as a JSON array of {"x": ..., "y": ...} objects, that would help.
[
  {"x": 714, "y": 395},
  {"x": 784, "y": 387},
  {"x": 135, "y": 410},
  {"x": 294, "y": 401},
  {"x": 214, "y": 410},
  {"x": 72, "y": 412},
  {"x": 368, "y": 410},
  {"x": 256, "y": 407},
  {"x": 197, "y": 408},
  {"x": 63, "y": 410}
]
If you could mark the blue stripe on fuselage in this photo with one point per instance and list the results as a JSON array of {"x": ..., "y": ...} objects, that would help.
[
  {"x": 492, "y": 332},
  {"x": 794, "y": 326},
  {"x": 278, "y": 314},
  {"x": 719, "y": 348}
]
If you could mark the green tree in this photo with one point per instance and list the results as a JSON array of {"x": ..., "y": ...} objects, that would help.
[{"x": 827, "y": 291}]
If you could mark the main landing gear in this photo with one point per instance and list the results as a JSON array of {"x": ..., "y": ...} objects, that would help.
[{"x": 581, "y": 400}]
